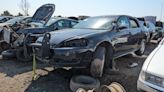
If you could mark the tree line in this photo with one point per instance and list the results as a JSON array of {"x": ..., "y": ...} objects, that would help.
[
  {"x": 24, "y": 6},
  {"x": 7, "y": 13}
]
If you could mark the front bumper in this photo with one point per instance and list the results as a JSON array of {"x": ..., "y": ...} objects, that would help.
[
  {"x": 71, "y": 57},
  {"x": 148, "y": 87}
]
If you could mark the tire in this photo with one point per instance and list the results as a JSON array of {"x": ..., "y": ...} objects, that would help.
[
  {"x": 84, "y": 82},
  {"x": 97, "y": 65},
  {"x": 20, "y": 56},
  {"x": 8, "y": 54},
  {"x": 141, "y": 50}
]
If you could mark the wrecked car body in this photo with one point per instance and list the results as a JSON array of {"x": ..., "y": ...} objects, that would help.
[
  {"x": 93, "y": 43},
  {"x": 40, "y": 18},
  {"x": 16, "y": 22},
  {"x": 52, "y": 25},
  {"x": 159, "y": 31},
  {"x": 5, "y": 18}
]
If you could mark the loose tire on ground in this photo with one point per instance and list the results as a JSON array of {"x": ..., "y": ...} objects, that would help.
[
  {"x": 8, "y": 54},
  {"x": 85, "y": 82}
]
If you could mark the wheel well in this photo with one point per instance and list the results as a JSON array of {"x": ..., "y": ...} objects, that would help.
[
  {"x": 109, "y": 54},
  {"x": 107, "y": 45}
]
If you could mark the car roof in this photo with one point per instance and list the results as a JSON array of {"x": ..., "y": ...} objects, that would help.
[{"x": 113, "y": 16}]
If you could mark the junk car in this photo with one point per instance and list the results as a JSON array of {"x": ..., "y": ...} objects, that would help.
[{"x": 93, "y": 43}]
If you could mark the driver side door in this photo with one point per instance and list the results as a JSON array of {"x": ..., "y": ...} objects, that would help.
[{"x": 122, "y": 34}]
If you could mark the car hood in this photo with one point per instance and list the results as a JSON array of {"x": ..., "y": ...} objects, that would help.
[
  {"x": 33, "y": 30},
  {"x": 65, "y": 34},
  {"x": 4, "y": 24},
  {"x": 44, "y": 13},
  {"x": 156, "y": 63}
]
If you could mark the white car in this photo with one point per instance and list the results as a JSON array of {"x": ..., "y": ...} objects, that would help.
[{"x": 151, "y": 78}]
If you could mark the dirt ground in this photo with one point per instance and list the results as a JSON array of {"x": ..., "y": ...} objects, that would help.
[{"x": 17, "y": 77}]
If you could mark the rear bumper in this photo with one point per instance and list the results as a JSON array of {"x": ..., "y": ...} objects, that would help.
[{"x": 148, "y": 87}]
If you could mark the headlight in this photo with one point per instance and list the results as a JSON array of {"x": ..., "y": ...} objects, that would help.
[
  {"x": 154, "y": 79},
  {"x": 142, "y": 75},
  {"x": 75, "y": 43}
]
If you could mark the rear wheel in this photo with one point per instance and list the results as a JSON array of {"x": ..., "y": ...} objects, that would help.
[
  {"x": 141, "y": 50},
  {"x": 97, "y": 65}
]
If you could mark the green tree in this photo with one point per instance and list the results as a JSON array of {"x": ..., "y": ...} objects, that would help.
[
  {"x": 6, "y": 13},
  {"x": 20, "y": 14}
]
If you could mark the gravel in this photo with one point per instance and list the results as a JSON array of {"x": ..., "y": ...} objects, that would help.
[{"x": 17, "y": 77}]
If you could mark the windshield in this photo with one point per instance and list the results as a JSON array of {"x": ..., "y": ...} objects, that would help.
[
  {"x": 50, "y": 22},
  {"x": 16, "y": 19},
  {"x": 96, "y": 23}
]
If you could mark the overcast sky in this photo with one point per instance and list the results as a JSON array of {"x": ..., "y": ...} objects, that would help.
[{"x": 136, "y": 8}]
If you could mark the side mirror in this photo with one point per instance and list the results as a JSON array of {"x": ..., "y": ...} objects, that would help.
[{"x": 122, "y": 27}]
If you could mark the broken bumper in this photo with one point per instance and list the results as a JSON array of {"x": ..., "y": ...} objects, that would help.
[{"x": 71, "y": 57}]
